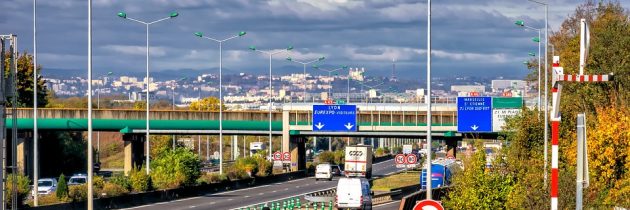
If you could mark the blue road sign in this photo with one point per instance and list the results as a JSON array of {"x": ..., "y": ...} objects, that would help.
[
  {"x": 335, "y": 118},
  {"x": 474, "y": 114}
]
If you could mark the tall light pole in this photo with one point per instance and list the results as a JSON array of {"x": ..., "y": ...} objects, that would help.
[
  {"x": 98, "y": 106},
  {"x": 554, "y": 166},
  {"x": 270, "y": 54},
  {"x": 537, "y": 40},
  {"x": 35, "y": 115},
  {"x": 240, "y": 34},
  {"x": 304, "y": 63},
  {"x": 147, "y": 24},
  {"x": 330, "y": 71},
  {"x": 90, "y": 165},
  {"x": 428, "y": 101}
]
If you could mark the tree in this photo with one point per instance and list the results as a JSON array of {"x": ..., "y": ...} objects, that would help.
[
  {"x": 175, "y": 168},
  {"x": 62, "y": 188},
  {"x": 478, "y": 188},
  {"x": 25, "y": 81},
  {"x": 206, "y": 104}
]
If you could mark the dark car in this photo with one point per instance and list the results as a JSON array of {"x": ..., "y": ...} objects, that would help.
[{"x": 336, "y": 170}]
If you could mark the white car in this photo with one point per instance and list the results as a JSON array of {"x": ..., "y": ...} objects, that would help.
[
  {"x": 353, "y": 193},
  {"x": 77, "y": 179},
  {"x": 323, "y": 171},
  {"x": 45, "y": 186}
]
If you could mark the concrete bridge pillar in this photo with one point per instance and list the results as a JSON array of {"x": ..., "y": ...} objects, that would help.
[
  {"x": 235, "y": 153},
  {"x": 134, "y": 151}
]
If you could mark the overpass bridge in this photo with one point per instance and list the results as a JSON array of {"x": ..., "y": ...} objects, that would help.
[{"x": 292, "y": 123}]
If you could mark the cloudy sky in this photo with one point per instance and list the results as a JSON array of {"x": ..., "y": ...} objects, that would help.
[{"x": 470, "y": 37}]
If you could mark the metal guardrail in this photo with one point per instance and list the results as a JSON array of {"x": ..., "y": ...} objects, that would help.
[
  {"x": 409, "y": 201},
  {"x": 322, "y": 195},
  {"x": 385, "y": 197}
]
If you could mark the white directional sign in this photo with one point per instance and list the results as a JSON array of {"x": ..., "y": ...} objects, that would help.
[{"x": 499, "y": 116}]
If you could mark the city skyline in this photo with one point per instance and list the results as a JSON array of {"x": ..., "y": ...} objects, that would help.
[{"x": 334, "y": 29}]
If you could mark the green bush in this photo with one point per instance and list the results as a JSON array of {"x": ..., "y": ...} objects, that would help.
[
  {"x": 208, "y": 178},
  {"x": 62, "y": 188},
  {"x": 379, "y": 152},
  {"x": 48, "y": 200},
  {"x": 77, "y": 193},
  {"x": 175, "y": 168},
  {"x": 339, "y": 157},
  {"x": 235, "y": 173},
  {"x": 98, "y": 182},
  {"x": 121, "y": 181},
  {"x": 23, "y": 188},
  {"x": 112, "y": 189},
  {"x": 386, "y": 150},
  {"x": 265, "y": 167},
  {"x": 326, "y": 157},
  {"x": 140, "y": 181}
]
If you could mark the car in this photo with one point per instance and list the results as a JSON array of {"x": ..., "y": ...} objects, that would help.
[
  {"x": 353, "y": 193},
  {"x": 77, "y": 179},
  {"x": 337, "y": 171},
  {"x": 323, "y": 171},
  {"x": 45, "y": 186}
]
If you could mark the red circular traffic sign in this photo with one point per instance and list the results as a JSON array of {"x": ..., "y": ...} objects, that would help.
[
  {"x": 286, "y": 156},
  {"x": 428, "y": 205},
  {"x": 400, "y": 159},
  {"x": 411, "y": 159},
  {"x": 277, "y": 156}
]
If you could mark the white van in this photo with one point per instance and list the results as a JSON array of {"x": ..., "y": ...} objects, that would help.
[
  {"x": 353, "y": 193},
  {"x": 323, "y": 171}
]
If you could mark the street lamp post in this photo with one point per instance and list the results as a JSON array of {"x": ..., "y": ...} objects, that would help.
[
  {"x": 522, "y": 24},
  {"x": 90, "y": 161},
  {"x": 270, "y": 54},
  {"x": 554, "y": 168},
  {"x": 304, "y": 63},
  {"x": 428, "y": 95},
  {"x": 330, "y": 71},
  {"x": 35, "y": 116},
  {"x": 147, "y": 24},
  {"x": 240, "y": 34}
]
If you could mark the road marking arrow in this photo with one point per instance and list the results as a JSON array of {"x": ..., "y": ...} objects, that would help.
[
  {"x": 474, "y": 127},
  {"x": 349, "y": 126},
  {"x": 319, "y": 125}
]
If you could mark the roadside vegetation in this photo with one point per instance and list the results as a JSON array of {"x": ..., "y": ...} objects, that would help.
[{"x": 516, "y": 180}]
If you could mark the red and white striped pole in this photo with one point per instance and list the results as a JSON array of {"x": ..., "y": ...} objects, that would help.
[
  {"x": 558, "y": 76},
  {"x": 555, "y": 129}
]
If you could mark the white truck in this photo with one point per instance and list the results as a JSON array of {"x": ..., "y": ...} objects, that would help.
[{"x": 358, "y": 161}]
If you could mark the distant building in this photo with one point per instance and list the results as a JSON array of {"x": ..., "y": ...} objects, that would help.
[
  {"x": 464, "y": 90},
  {"x": 501, "y": 85}
]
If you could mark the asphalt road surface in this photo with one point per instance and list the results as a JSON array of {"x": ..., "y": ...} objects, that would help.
[
  {"x": 387, "y": 206},
  {"x": 259, "y": 194}
]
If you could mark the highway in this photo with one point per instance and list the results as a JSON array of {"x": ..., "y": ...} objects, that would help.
[
  {"x": 387, "y": 206},
  {"x": 255, "y": 195}
]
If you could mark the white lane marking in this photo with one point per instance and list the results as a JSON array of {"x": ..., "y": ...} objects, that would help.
[
  {"x": 260, "y": 193},
  {"x": 286, "y": 189},
  {"x": 160, "y": 203},
  {"x": 274, "y": 191},
  {"x": 191, "y": 207},
  {"x": 257, "y": 204},
  {"x": 231, "y": 191},
  {"x": 247, "y": 196}
]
